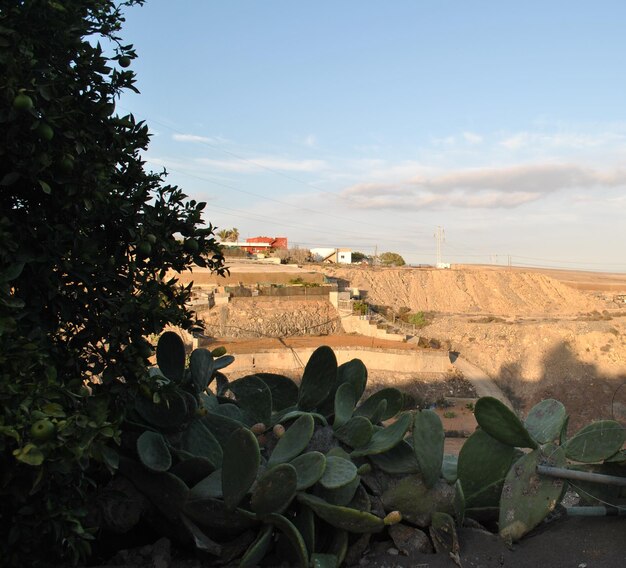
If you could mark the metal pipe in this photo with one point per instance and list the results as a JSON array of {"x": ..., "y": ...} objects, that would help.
[
  {"x": 564, "y": 473},
  {"x": 599, "y": 511}
]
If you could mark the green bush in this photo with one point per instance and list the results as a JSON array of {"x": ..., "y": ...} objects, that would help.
[
  {"x": 418, "y": 319},
  {"x": 87, "y": 237}
]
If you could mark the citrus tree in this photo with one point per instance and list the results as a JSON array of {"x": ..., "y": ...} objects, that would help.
[{"x": 87, "y": 237}]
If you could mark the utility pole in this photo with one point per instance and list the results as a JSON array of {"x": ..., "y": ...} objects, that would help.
[{"x": 440, "y": 238}]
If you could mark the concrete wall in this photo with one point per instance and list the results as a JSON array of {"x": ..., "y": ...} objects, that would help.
[{"x": 382, "y": 360}]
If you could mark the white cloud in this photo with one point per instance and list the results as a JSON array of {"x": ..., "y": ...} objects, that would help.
[
  {"x": 310, "y": 141},
  {"x": 472, "y": 137},
  {"x": 561, "y": 140},
  {"x": 502, "y": 187},
  {"x": 258, "y": 163},
  {"x": 199, "y": 139}
]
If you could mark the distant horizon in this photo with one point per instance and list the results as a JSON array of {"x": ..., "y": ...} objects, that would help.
[{"x": 367, "y": 125}]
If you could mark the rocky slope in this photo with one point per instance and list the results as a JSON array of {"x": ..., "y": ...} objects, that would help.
[{"x": 466, "y": 290}]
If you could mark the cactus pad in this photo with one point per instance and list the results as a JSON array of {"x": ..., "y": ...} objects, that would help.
[
  {"x": 369, "y": 408},
  {"x": 309, "y": 469},
  {"x": 357, "y": 432},
  {"x": 416, "y": 502},
  {"x": 319, "y": 378},
  {"x": 345, "y": 399},
  {"x": 291, "y": 533},
  {"x": 528, "y": 497},
  {"x": 284, "y": 390},
  {"x": 193, "y": 470},
  {"x": 428, "y": 439},
  {"x": 199, "y": 441},
  {"x": 545, "y": 420},
  {"x": 166, "y": 491},
  {"x": 596, "y": 442},
  {"x": 338, "y": 472},
  {"x": 170, "y": 355},
  {"x": 254, "y": 398},
  {"x": 153, "y": 452},
  {"x": 399, "y": 459},
  {"x": 499, "y": 421},
  {"x": 166, "y": 415},
  {"x": 239, "y": 466},
  {"x": 258, "y": 549},
  {"x": 274, "y": 490},
  {"x": 385, "y": 438},
  {"x": 293, "y": 441},
  {"x": 209, "y": 487},
  {"x": 343, "y": 518},
  {"x": 209, "y": 512},
  {"x": 483, "y": 462},
  {"x": 201, "y": 368},
  {"x": 353, "y": 372}
]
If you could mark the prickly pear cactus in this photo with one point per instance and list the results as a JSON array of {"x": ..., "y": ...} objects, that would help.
[
  {"x": 501, "y": 423},
  {"x": 596, "y": 442},
  {"x": 528, "y": 497},
  {"x": 545, "y": 420},
  {"x": 259, "y": 470}
]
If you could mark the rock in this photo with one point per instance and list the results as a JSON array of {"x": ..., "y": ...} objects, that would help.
[
  {"x": 161, "y": 553},
  {"x": 122, "y": 505},
  {"x": 410, "y": 540},
  {"x": 417, "y": 502},
  {"x": 393, "y": 551}
]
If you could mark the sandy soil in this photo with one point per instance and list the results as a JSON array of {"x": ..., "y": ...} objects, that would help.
[{"x": 534, "y": 333}]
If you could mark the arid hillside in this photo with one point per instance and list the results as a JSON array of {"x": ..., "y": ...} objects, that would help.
[
  {"x": 537, "y": 336},
  {"x": 467, "y": 290}
]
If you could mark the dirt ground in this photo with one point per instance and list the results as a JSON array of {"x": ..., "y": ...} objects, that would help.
[{"x": 566, "y": 542}]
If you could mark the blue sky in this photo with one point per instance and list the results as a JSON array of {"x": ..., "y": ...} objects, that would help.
[{"x": 368, "y": 124}]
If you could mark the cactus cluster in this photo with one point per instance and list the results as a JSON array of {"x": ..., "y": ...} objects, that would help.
[
  {"x": 501, "y": 482},
  {"x": 260, "y": 468}
]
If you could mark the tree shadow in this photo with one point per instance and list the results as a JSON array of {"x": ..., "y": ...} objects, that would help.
[{"x": 586, "y": 393}]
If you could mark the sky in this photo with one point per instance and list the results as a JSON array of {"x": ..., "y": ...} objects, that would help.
[{"x": 368, "y": 124}]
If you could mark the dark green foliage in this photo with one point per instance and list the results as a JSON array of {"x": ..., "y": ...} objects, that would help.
[
  {"x": 353, "y": 372},
  {"x": 293, "y": 488},
  {"x": 293, "y": 441},
  {"x": 345, "y": 400},
  {"x": 170, "y": 354},
  {"x": 284, "y": 391},
  {"x": 344, "y": 518},
  {"x": 522, "y": 509},
  {"x": 319, "y": 378},
  {"x": 274, "y": 490},
  {"x": 501, "y": 423},
  {"x": 254, "y": 398},
  {"x": 370, "y": 408},
  {"x": 596, "y": 442},
  {"x": 309, "y": 469},
  {"x": 240, "y": 466},
  {"x": 153, "y": 452},
  {"x": 241, "y": 478},
  {"x": 356, "y": 433},
  {"x": 428, "y": 439},
  {"x": 385, "y": 439},
  {"x": 546, "y": 420},
  {"x": 482, "y": 467},
  {"x": 87, "y": 237}
]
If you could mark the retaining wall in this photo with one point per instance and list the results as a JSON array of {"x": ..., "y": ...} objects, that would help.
[{"x": 425, "y": 361}]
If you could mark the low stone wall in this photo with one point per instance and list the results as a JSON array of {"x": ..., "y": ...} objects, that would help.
[
  {"x": 248, "y": 318},
  {"x": 399, "y": 361}
]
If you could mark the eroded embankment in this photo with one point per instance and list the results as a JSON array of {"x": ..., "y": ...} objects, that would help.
[{"x": 466, "y": 291}]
